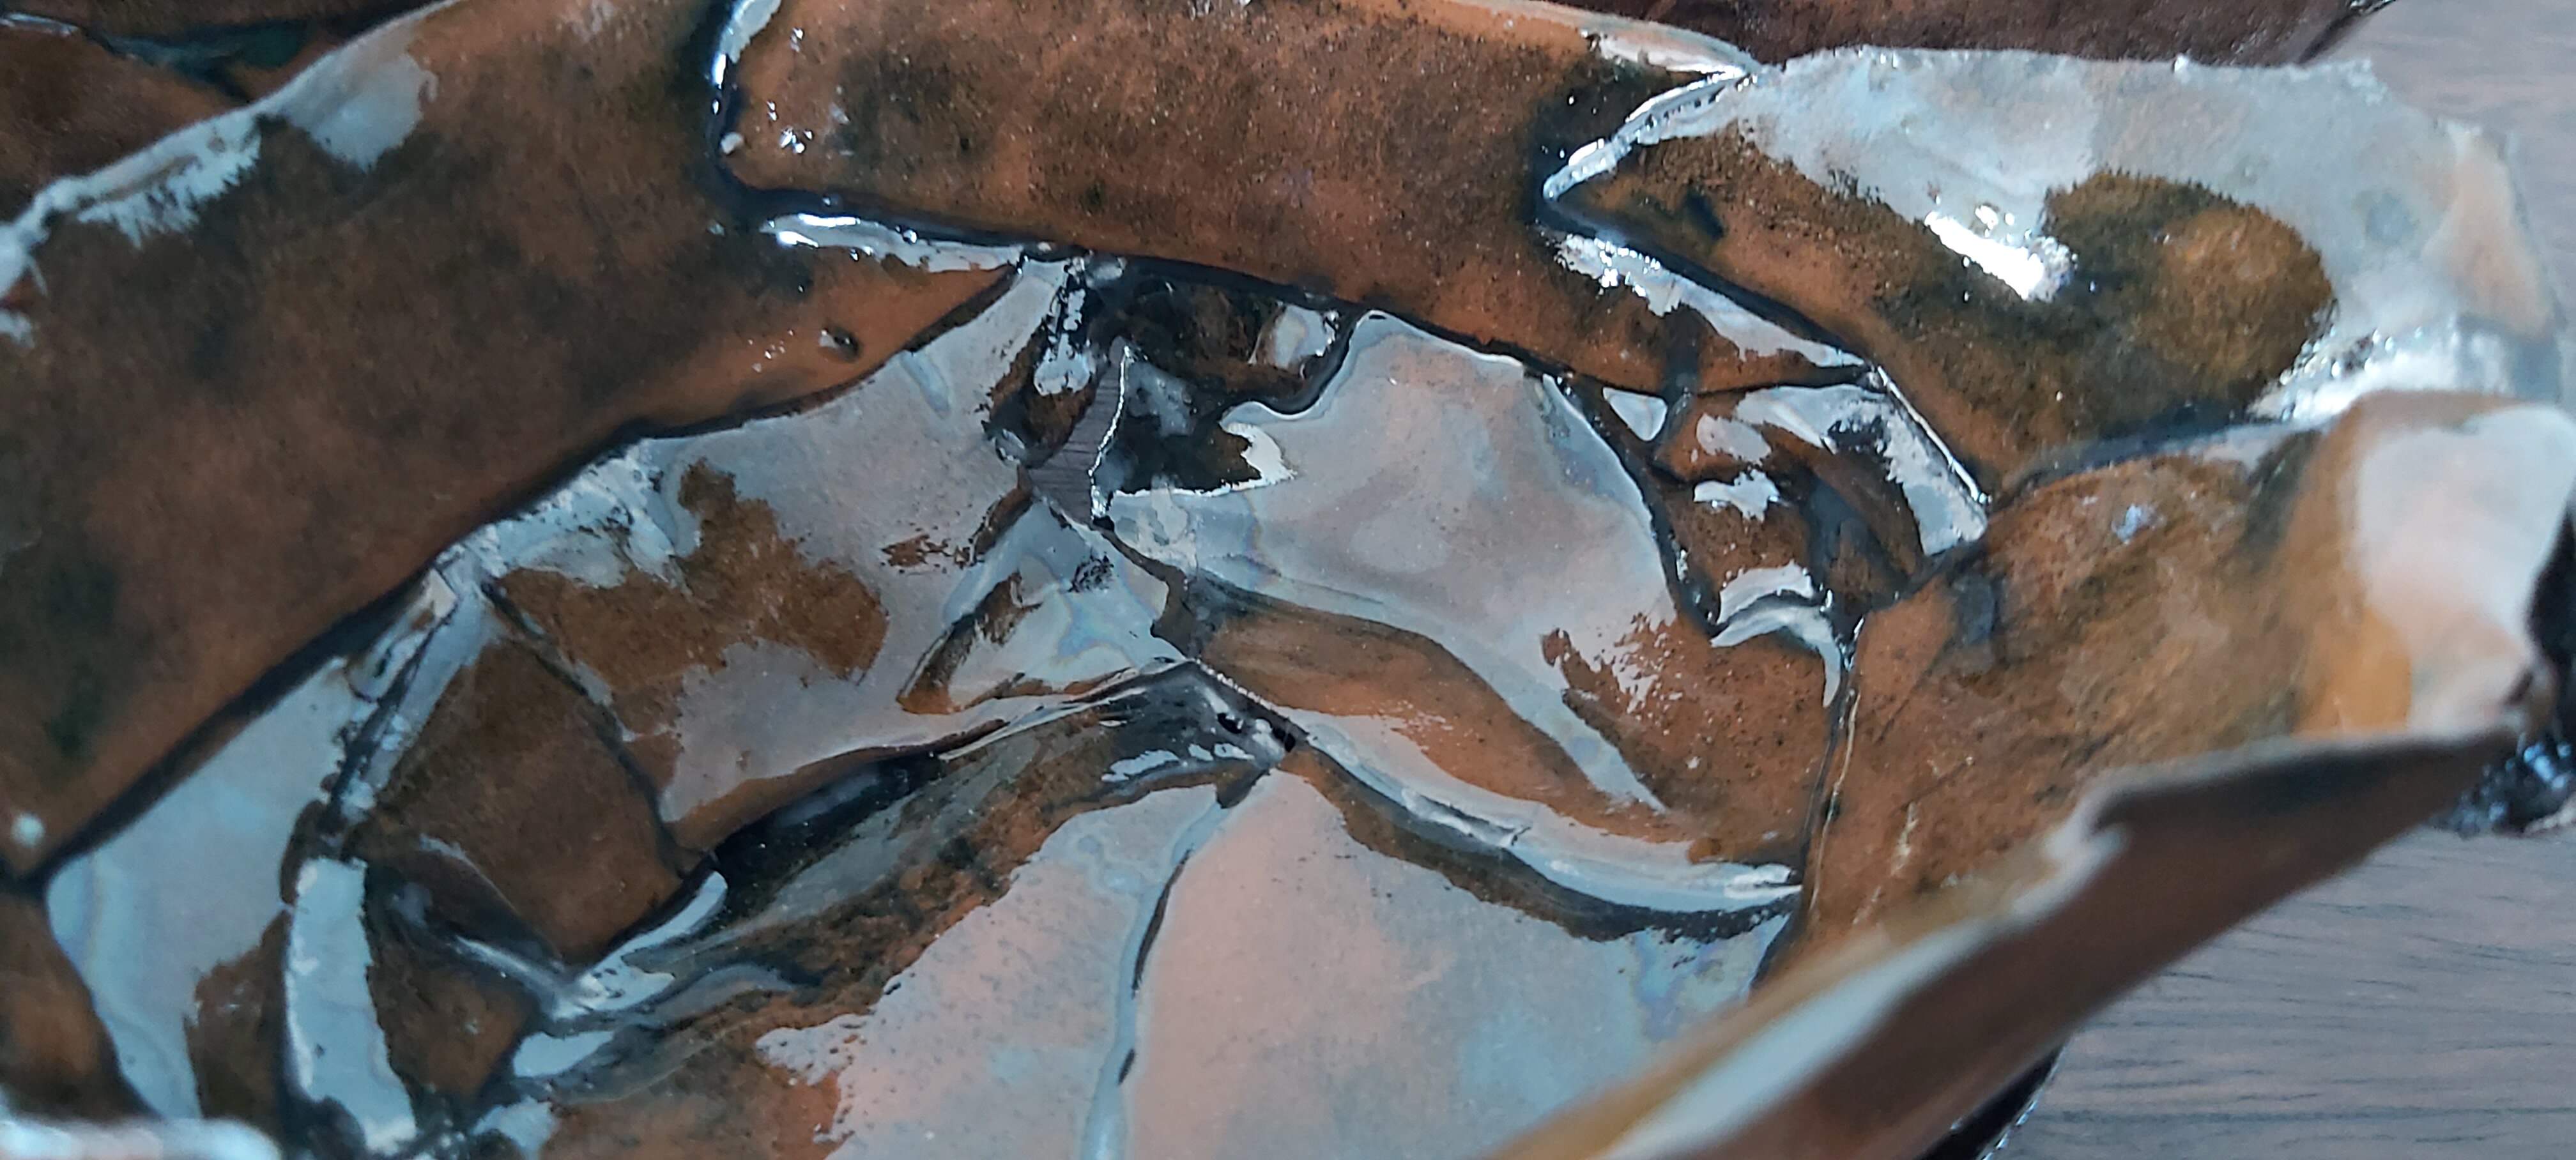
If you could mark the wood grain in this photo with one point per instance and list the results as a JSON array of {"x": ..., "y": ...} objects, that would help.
[{"x": 2425, "y": 1004}]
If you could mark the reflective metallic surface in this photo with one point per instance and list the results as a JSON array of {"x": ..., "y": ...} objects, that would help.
[{"x": 1115, "y": 612}]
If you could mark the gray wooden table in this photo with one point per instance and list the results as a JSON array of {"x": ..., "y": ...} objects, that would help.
[{"x": 2425, "y": 1004}]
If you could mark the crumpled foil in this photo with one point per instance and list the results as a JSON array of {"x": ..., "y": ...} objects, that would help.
[{"x": 1218, "y": 578}]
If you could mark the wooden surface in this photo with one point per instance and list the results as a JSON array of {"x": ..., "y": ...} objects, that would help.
[{"x": 2424, "y": 1005}]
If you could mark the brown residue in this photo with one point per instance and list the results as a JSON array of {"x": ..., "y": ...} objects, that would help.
[
  {"x": 237, "y": 1036},
  {"x": 2224, "y": 291},
  {"x": 956, "y": 844},
  {"x": 1305, "y": 659},
  {"x": 745, "y": 580},
  {"x": 69, "y": 106},
  {"x": 2113, "y": 621},
  {"x": 923, "y": 551},
  {"x": 448, "y": 1027},
  {"x": 1379, "y": 152},
  {"x": 182, "y": 18},
  {"x": 2182, "y": 307},
  {"x": 1730, "y": 738},
  {"x": 55, "y": 1058},
  {"x": 992, "y": 622},
  {"x": 511, "y": 769}
]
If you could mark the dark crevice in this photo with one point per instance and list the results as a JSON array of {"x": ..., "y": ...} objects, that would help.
[
  {"x": 221, "y": 56},
  {"x": 2529, "y": 789},
  {"x": 1566, "y": 217},
  {"x": 1985, "y": 1131},
  {"x": 1689, "y": 589},
  {"x": 2182, "y": 431}
]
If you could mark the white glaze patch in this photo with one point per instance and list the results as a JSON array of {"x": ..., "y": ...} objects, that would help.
[{"x": 335, "y": 1048}]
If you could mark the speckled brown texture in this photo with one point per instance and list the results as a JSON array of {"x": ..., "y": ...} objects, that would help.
[
  {"x": 448, "y": 1025},
  {"x": 2226, "y": 31},
  {"x": 512, "y": 770},
  {"x": 2182, "y": 307},
  {"x": 1379, "y": 152},
  {"x": 55, "y": 1058},
  {"x": 237, "y": 1035},
  {"x": 274, "y": 456},
  {"x": 2224, "y": 292},
  {"x": 2128, "y": 613},
  {"x": 1984, "y": 703},
  {"x": 1730, "y": 738},
  {"x": 743, "y": 581}
]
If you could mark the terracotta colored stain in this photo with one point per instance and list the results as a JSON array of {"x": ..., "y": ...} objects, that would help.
[
  {"x": 2159, "y": 299},
  {"x": 1730, "y": 738},
  {"x": 645, "y": 637},
  {"x": 518, "y": 814},
  {"x": 448, "y": 1026},
  {"x": 743, "y": 581},
  {"x": 241, "y": 1017},
  {"x": 1306, "y": 660},
  {"x": 2112, "y": 620},
  {"x": 1377, "y": 152},
  {"x": 54, "y": 1054}
]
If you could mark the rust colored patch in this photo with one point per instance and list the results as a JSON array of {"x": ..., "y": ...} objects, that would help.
[
  {"x": 448, "y": 1028},
  {"x": 745, "y": 580},
  {"x": 237, "y": 1037},
  {"x": 1731, "y": 738},
  {"x": 2183, "y": 307},
  {"x": 1376, "y": 151},
  {"x": 55, "y": 1058},
  {"x": 511, "y": 771},
  {"x": 1315, "y": 661},
  {"x": 175, "y": 19},
  {"x": 995, "y": 617},
  {"x": 2114, "y": 620}
]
